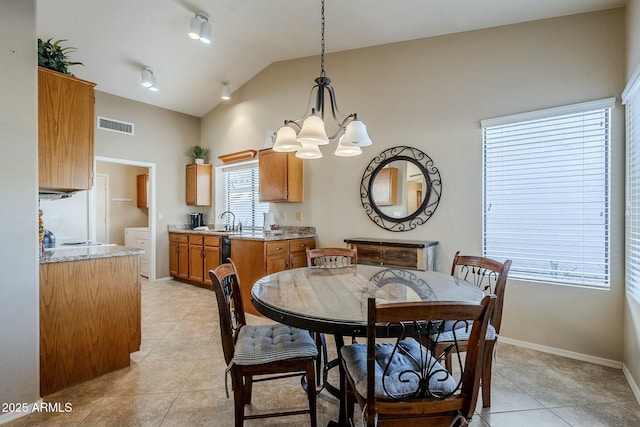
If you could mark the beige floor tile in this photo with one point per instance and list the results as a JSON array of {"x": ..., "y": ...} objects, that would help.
[
  {"x": 178, "y": 348},
  {"x": 200, "y": 408},
  {"x": 533, "y": 418},
  {"x": 142, "y": 410},
  {"x": 148, "y": 377},
  {"x": 619, "y": 414},
  {"x": 506, "y": 396}
]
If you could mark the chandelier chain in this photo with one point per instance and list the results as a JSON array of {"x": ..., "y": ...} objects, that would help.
[{"x": 322, "y": 73}]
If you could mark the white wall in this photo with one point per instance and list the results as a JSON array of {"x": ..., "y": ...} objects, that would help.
[
  {"x": 67, "y": 218},
  {"x": 19, "y": 298},
  {"x": 631, "y": 308},
  {"x": 432, "y": 94}
]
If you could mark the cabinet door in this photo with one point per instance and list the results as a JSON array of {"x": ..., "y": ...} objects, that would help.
[
  {"x": 174, "y": 264},
  {"x": 183, "y": 261},
  {"x": 278, "y": 262},
  {"x": 298, "y": 259},
  {"x": 280, "y": 177},
  {"x": 198, "y": 189},
  {"x": 196, "y": 263},
  {"x": 211, "y": 261},
  {"x": 65, "y": 131},
  {"x": 142, "y": 188}
]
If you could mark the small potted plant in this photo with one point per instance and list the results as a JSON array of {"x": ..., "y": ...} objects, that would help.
[
  {"x": 198, "y": 153},
  {"x": 54, "y": 57}
]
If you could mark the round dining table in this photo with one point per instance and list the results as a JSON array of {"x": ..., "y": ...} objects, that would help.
[{"x": 334, "y": 300}]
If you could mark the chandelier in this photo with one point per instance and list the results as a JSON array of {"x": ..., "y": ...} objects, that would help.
[{"x": 306, "y": 134}]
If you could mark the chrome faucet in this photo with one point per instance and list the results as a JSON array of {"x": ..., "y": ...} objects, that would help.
[{"x": 233, "y": 220}]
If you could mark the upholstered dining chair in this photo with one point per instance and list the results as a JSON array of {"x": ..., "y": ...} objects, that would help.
[
  {"x": 491, "y": 276},
  {"x": 277, "y": 351},
  {"x": 331, "y": 257},
  {"x": 328, "y": 258},
  {"x": 400, "y": 382}
]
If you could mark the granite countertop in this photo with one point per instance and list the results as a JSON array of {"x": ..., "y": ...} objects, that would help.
[
  {"x": 249, "y": 235},
  {"x": 63, "y": 254},
  {"x": 286, "y": 233}
]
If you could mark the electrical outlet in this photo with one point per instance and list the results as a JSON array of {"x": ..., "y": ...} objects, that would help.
[{"x": 299, "y": 215}]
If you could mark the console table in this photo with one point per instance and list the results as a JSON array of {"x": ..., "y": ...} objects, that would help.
[{"x": 417, "y": 254}]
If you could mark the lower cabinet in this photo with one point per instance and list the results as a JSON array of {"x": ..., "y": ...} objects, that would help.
[
  {"x": 179, "y": 255},
  {"x": 260, "y": 258},
  {"x": 191, "y": 256},
  {"x": 139, "y": 238}
]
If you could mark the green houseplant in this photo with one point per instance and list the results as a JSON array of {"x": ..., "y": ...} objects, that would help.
[
  {"x": 54, "y": 57},
  {"x": 198, "y": 153}
]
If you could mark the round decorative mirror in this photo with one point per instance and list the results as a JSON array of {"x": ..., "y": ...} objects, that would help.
[{"x": 400, "y": 188}]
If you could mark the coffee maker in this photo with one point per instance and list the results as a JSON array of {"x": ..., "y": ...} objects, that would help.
[{"x": 197, "y": 220}]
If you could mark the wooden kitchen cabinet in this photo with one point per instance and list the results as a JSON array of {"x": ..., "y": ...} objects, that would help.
[
  {"x": 198, "y": 191},
  {"x": 179, "y": 255},
  {"x": 211, "y": 253},
  {"x": 196, "y": 258},
  {"x": 90, "y": 319},
  {"x": 416, "y": 254},
  {"x": 260, "y": 258},
  {"x": 142, "y": 190},
  {"x": 192, "y": 255},
  {"x": 66, "y": 115},
  {"x": 281, "y": 176}
]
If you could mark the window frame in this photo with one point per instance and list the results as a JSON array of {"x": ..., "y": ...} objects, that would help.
[
  {"x": 523, "y": 119},
  {"x": 221, "y": 204}
]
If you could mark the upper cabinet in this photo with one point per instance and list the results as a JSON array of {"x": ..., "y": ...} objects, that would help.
[
  {"x": 142, "y": 190},
  {"x": 280, "y": 176},
  {"x": 199, "y": 184},
  {"x": 65, "y": 131}
]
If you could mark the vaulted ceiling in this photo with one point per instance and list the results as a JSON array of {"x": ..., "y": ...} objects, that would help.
[{"x": 116, "y": 38}]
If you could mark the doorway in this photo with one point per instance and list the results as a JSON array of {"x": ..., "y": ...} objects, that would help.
[{"x": 112, "y": 198}]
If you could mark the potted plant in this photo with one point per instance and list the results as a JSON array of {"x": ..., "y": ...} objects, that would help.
[
  {"x": 54, "y": 57},
  {"x": 198, "y": 153}
]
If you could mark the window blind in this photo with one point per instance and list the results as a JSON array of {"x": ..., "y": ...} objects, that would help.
[
  {"x": 632, "y": 226},
  {"x": 546, "y": 194},
  {"x": 242, "y": 196}
]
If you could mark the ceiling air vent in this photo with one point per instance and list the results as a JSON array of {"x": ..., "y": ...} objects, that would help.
[{"x": 112, "y": 125}]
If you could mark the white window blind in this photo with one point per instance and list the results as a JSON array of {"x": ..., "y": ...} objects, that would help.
[
  {"x": 242, "y": 196},
  {"x": 547, "y": 193},
  {"x": 631, "y": 98}
]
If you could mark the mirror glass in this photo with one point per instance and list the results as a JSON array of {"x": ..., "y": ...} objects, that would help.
[{"x": 400, "y": 188}]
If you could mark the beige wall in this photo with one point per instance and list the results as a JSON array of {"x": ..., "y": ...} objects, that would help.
[
  {"x": 432, "y": 94},
  {"x": 161, "y": 137},
  {"x": 123, "y": 209},
  {"x": 631, "y": 308},
  {"x": 19, "y": 296}
]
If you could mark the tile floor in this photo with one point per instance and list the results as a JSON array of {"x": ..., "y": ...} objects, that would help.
[{"x": 177, "y": 379}]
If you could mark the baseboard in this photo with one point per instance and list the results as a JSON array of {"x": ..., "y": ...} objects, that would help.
[
  {"x": 632, "y": 383},
  {"x": 163, "y": 279},
  {"x": 565, "y": 353},
  {"x": 10, "y": 416}
]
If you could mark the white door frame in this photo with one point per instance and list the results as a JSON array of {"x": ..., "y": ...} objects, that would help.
[
  {"x": 107, "y": 211},
  {"x": 152, "y": 205}
]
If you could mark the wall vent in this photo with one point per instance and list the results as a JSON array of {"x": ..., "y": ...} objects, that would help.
[{"x": 112, "y": 125}]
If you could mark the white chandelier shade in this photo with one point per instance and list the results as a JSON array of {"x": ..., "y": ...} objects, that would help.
[
  {"x": 309, "y": 151},
  {"x": 286, "y": 140}
]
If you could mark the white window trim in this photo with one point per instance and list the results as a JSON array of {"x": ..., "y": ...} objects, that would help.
[
  {"x": 584, "y": 107},
  {"x": 629, "y": 95}
]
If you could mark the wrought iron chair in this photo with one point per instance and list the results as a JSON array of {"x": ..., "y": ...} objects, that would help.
[
  {"x": 277, "y": 350},
  {"x": 491, "y": 276},
  {"x": 331, "y": 257},
  {"x": 328, "y": 258},
  {"x": 401, "y": 382}
]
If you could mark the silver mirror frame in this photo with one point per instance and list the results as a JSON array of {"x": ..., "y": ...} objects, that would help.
[{"x": 431, "y": 197}]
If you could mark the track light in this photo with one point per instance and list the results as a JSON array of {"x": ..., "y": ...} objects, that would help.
[
  {"x": 226, "y": 93},
  {"x": 149, "y": 79},
  {"x": 200, "y": 28}
]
